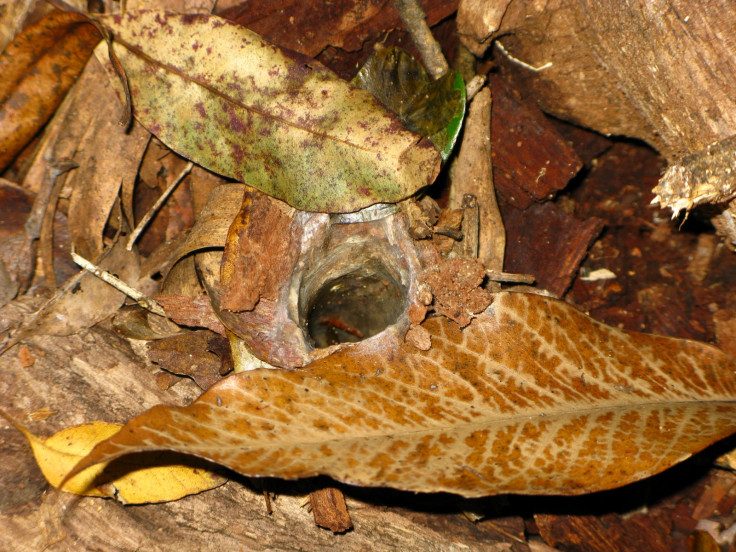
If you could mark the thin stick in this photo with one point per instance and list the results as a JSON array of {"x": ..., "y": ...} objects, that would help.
[
  {"x": 510, "y": 278},
  {"x": 523, "y": 64},
  {"x": 412, "y": 14},
  {"x": 474, "y": 86},
  {"x": 143, "y": 300},
  {"x": 159, "y": 202}
]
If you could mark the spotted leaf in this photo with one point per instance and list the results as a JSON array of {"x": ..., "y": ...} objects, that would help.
[{"x": 532, "y": 397}]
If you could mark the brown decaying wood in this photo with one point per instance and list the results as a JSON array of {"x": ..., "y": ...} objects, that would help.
[
  {"x": 314, "y": 25},
  {"x": 262, "y": 234},
  {"x": 473, "y": 175},
  {"x": 662, "y": 72},
  {"x": 548, "y": 243},
  {"x": 531, "y": 161},
  {"x": 605, "y": 533}
]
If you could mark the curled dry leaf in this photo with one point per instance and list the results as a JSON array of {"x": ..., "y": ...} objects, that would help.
[
  {"x": 37, "y": 69},
  {"x": 532, "y": 397},
  {"x": 187, "y": 355},
  {"x": 227, "y": 99},
  {"x": 144, "y": 479}
]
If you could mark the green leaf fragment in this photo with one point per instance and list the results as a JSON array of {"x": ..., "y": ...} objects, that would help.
[{"x": 431, "y": 108}]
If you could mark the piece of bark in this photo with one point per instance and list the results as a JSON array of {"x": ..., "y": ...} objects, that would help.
[
  {"x": 605, "y": 533},
  {"x": 312, "y": 26},
  {"x": 196, "y": 312},
  {"x": 531, "y": 160},
  {"x": 588, "y": 145},
  {"x": 548, "y": 243},
  {"x": 474, "y": 175},
  {"x": 329, "y": 510},
  {"x": 260, "y": 251},
  {"x": 662, "y": 72}
]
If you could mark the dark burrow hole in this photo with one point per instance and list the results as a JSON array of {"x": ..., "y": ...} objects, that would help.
[{"x": 353, "y": 307}]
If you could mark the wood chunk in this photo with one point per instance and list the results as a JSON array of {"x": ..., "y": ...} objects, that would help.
[
  {"x": 531, "y": 160},
  {"x": 330, "y": 510},
  {"x": 587, "y": 144},
  {"x": 191, "y": 311},
  {"x": 548, "y": 243},
  {"x": 606, "y": 533},
  {"x": 455, "y": 285}
]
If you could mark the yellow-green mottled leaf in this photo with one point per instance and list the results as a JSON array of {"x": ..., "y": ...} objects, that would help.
[{"x": 230, "y": 101}]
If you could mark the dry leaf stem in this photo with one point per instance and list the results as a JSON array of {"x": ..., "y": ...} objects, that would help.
[
  {"x": 156, "y": 206},
  {"x": 51, "y": 190},
  {"x": 143, "y": 300},
  {"x": 413, "y": 16}
]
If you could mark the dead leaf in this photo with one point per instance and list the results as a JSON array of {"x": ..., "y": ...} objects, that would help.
[
  {"x": 97, "y": 182},
  {"x": 533, "y": 397},
  {"x": 38, "y": 69},
  {"x": 277, "y": 120},
  {"x": 141, "y": 480},
  {"x": 92, "y": 300},
  {"x": 187, "y": 355}
]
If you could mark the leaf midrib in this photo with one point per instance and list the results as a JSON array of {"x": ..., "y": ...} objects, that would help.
[{"x": 174, "y": 70}]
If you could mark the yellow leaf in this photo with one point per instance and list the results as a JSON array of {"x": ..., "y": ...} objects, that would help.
[{"x": 138, "y": 479}]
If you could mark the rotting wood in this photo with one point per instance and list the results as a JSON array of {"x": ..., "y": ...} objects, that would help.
[{"x": 474, "y": 175}]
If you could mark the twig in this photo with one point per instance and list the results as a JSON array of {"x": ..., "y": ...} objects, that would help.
[
  {"x": 35, "y": 219},
  {"x": 510, "y": 278},
  {"x": 473, "y": 174},
  {"x": 471, "y": 226},
  {"x": 159, "y": 202},
  {"x": 143, "y": 300},
  {"x": 412, "y": 14},
  {"x": 269, "y": 509},
  {"x": 522, "y": 63},
  {"x": 474, "y": 86}
]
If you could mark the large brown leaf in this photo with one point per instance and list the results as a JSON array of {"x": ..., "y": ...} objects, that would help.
[
  {"x": 37, "y": 70},
  {"x": 281, "y": 122},
  {"x": 532, "y": 397}
]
